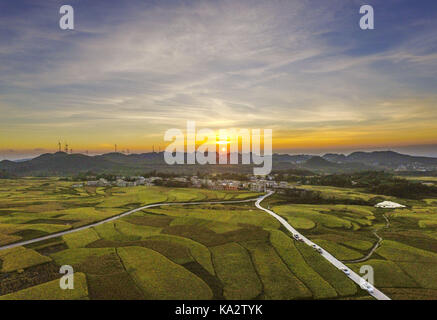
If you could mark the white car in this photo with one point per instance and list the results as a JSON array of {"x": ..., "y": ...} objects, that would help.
[
  {"x": 346, "y": 271},
  {"x": 368, "y": 287}
]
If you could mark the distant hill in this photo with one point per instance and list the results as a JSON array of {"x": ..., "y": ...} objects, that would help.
[
  {"x": 296, "y": 159},
  {"x": 133, "y": 159},
  {"x": 319, "y": 164},
  {"x": 334, "y": 157},
  {"x": 386, "y": 160},
  {"x": 56, "y": 163},
  {"x": 61, "y": 163},
  {"x": 21, "y": 160},
  {"x": 359, "y": 161}
]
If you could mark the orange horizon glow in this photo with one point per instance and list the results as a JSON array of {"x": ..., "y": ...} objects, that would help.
[
  {"x": 326, "y": 139},
  {"x": 278, "y": 144}
]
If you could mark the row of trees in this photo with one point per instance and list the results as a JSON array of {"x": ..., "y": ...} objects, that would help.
[
  {"x": 303, "y": 196},
  {"x": 377, "y": 182},
  {"x": 404, "y": 189},
  {"x": 6, "y": 175}
]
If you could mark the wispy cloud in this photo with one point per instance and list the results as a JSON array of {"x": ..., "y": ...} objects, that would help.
[{"x": 135, "y": 69}]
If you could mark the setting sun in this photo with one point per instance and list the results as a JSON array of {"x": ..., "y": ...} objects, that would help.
[{"x": 222, "y": 142}]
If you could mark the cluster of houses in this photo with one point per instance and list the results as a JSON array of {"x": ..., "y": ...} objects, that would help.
[
  {"x": 120, "y": 182},
  {"x": 253, "y": 183},
  {"x": 415, "y": 166}
]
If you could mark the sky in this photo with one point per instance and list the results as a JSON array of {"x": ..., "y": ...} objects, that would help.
[{"x": 130, "y": 70}]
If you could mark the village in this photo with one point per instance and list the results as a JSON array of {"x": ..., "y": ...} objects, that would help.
[{"x": 254, "y": 183}]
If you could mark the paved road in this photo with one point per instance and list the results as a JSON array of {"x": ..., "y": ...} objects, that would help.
[
  {"x": 337, "y": 263},
  {"x": 62, "y": 233}
]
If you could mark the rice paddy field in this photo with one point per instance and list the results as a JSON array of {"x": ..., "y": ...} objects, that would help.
[
  {"x": 404, "y": 263},
  {"x": 30, "y": 208},
  {"x": 423, "y": 179},
  {"x": 206, "y": 251}
]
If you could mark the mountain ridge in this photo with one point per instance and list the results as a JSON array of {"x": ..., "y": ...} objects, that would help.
[{"x": 61, "y": 163}]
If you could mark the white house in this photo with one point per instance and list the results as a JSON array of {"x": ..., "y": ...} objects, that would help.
[{"x": 389, "y": 205}]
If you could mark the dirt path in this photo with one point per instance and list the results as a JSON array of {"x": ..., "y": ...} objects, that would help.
[{"x": 375, "y": 246}]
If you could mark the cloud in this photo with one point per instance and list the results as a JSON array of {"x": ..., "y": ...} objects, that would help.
[{"x": 139, "y": 68}]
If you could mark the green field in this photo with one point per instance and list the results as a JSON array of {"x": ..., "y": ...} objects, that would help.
[
  {"x": 50, "y": 291},
  {"x": 422, "y": 179},
  {"x": 404, "y": 262},
  {"x": 206, "y": 251},
  {"x": 35, "y": 207}
]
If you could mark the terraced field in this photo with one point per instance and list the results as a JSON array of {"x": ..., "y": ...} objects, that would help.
[
  {"x": 222, "y": 251},
  {"x": 206, "y": 251},
  {"x": 31, "y": 208},
  {"x": 156, "y": 255},
  {"x": 404, "y": 264}
]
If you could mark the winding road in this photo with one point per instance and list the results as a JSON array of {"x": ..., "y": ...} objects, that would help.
[{"x": 338, "y": 264}]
